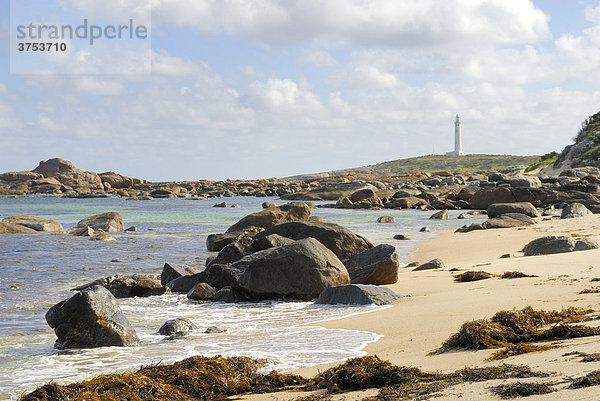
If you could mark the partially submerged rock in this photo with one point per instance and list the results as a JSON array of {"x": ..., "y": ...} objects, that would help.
[
  {"x": 185, "y": 283},
  {"x": 378, "y": 265},
  {"x": 441, "y": 215},
  {"x": 108, "y": 222},
  {"x": 91, "y": 318},
  {"x": 102, "y": 236},
  {"x": 357, "y": 294},
  {"x": 269, "y": 217},
  {"x": 201, "y": 292},
  {"x": 35, "y": 223},
  {"x": 171, "y": 272},
  {"x": 9, "y": 228},
  {"x": 141, "y": 285},
  {"x": 177, "y": 325}
]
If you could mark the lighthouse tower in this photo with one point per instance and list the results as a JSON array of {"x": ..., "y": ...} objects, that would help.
[{"x": 458, "y": 150}]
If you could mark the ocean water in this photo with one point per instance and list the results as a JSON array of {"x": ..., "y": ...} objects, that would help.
[{"x": 37, "y": 271}]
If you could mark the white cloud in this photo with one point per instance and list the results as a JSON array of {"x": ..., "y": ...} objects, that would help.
[
  {"x": 381, "y": 23},
  {"x": 592, "y": 14},
  {"x": 320, "y": 58},
  {"x": 8, "y": 117},
  {"x": 91, "y": 85},
  {"x": 281, "y": 95},
  {"x": 45, "y": 123}
]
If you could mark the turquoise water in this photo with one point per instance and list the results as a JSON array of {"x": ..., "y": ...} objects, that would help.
[{"x": 38, "y": 271}]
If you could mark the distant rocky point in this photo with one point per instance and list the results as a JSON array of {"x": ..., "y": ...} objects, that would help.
[{"x": 427, "y": 183}]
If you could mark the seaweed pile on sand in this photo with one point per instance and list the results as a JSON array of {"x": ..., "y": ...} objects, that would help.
[
  {"x": 521, "y": 389},
  {"x": 194, "y": 378},
  {"x": 216, "y": 378},
  {"x": 472, "y": 275},
  {"x": 509, "y": 328}
]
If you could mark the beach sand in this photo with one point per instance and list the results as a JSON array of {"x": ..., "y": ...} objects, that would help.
[{"x": 438, "y": 306}]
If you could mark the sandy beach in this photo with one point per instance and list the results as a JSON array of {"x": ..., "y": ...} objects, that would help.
[{"x": 438, "y": 306}]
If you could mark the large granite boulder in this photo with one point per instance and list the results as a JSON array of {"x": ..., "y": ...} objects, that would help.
[
  {"x": 35, "y": 223},
  {"x": 185, "y": 283},
  {"x": 9, "y": 228},
  {"x": 221, "y": 276},
  {"x": 364, "y": 198},
  {"x": 91, "y": 318},
  {"x": 118, "y": 181},
  {"x": 171, "y": 272},
  {"x": 378, "y": 265},
  {"x": 301, "y": 270},
  {"x": 528, "y": 181},
  {"x": 19, "y": 176},
  {"x": 201, "y": 292},
  {"x": 574, "y": 210},
  {"x": 509, "y": 220},
  {"x": 216, "y": 242},
  {"x": 66, "y": 173},
  {"x": 487, "y": 196},
  {"x": 526, "y": 208},
  {"x": 343, "y": 242},
  {"x": 234, "y": 251},
  {"x": 108, "y": 222},
  {"x": 548, "y": 245},
  {"x": 357, "y": 294},
  {"x": 293, "y": 211},
  {"x": 138, "y": 285},
  {"x": 270, "y": 241}
]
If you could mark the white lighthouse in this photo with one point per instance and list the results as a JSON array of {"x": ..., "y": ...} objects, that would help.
[{"x": 458, "y": 150}]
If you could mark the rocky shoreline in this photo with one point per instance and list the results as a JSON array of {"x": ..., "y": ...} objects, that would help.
[{"x": 441, "y": 190}]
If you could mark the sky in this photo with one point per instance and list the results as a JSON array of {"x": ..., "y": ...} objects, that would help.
[{"x": 273, "y": 88}]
